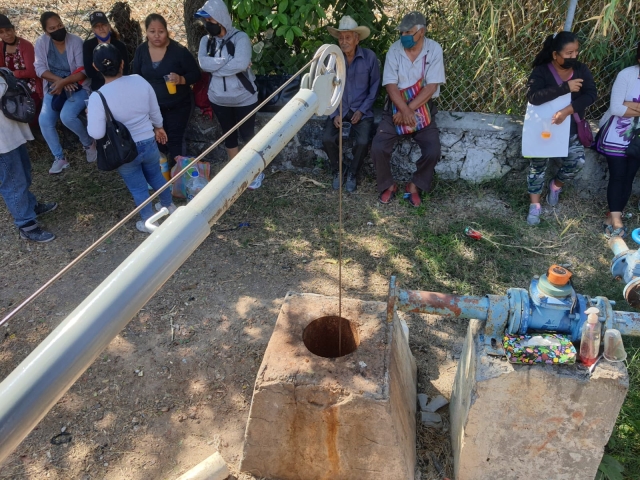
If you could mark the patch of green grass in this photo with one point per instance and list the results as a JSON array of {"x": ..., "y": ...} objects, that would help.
[{"x": 624, "y": 444}]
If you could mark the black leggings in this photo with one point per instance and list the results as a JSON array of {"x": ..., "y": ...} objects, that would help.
[
  {"x": 175, "y": 121},
  {"x": 229, "y": 118},
  {"x": 622, "y": 172}
]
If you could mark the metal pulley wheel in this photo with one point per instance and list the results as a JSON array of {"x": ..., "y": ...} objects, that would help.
[{"x": 327, "y": 78}]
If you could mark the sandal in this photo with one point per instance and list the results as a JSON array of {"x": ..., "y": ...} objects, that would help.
[
  {"x": 412, "y": 197},
  {"x": 386, "y": 196},
  {"x": 610, "y": 232}
]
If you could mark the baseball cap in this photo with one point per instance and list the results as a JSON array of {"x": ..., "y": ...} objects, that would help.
[
  {"x": 106, "y": 56},
  {"x": 5, "y": 22},
  {"x": 410, "y": 20},
  {"x": 98, "y": 17},
  {"x": 202, "y": 14}
]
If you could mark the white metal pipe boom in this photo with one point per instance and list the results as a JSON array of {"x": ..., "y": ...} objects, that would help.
[{"x": 29, "y": 392}]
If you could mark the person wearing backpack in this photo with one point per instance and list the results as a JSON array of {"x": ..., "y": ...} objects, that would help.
[
  {"x": 226, "y": 53},
  {"x": 139, "y": 112},
  {"x": 15, "y": 178},
  {"x": 18, "y": 56}
]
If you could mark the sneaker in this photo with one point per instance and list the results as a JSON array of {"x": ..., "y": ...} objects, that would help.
[
  {"x": 553, "y": 197},
  {"x": 351, "y": 183},
  {"x": 172, "y": 208},
  {"x": 143, "y": 228},
  {"x": 34, "y": 233},
  {"x": 257, "y": 183},
  {"x": 92, "y": 152},
  {"x": 59, "y": 164},
  {"x": 42, "y": 208},
  {"x": 534, "y": 215},
  {"x": 336, "y": 181}
]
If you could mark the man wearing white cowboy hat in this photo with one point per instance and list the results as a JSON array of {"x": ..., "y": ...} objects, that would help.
[{"x": 360, "y": 91}]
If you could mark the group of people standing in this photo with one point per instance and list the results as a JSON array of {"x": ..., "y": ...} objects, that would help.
[{"x": 153, "y": 98}]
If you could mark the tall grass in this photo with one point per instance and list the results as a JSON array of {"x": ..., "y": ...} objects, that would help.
[{"x": 489, "y": 46}]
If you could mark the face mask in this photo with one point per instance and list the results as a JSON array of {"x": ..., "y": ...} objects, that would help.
[
  {"x": 59, "y": 35},
  {"x": 214, "y": 29},
  {"x": 407, "y": 41},
  {"x": 569, "y": 63},
  {"x": 103, "y": 39}
]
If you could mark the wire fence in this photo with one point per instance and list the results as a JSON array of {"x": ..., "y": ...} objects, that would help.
[{"x": 488, "y": 44}]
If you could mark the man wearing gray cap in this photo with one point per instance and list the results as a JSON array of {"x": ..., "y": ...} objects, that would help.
[{"x": 413, "y": 72}]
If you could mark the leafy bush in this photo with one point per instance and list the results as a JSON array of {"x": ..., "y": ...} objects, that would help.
[{"x": 287, "y": 33}]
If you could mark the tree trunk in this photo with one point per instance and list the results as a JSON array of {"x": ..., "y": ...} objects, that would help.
[{"x": 195, "y": 30}]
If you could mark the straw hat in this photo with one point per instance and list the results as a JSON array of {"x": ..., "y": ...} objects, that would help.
[{"x": 348, "y": 24}]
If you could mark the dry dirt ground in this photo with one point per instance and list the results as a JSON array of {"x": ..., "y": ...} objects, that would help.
[{"x": 150, "y": 406}]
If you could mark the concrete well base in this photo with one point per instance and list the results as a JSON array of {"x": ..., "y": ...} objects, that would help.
[
  {"x": 315, "y": 418},
  {"x": 520, "y": 422}
]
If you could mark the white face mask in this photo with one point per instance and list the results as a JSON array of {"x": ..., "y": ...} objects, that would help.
[{"x": 3, "y": 87}]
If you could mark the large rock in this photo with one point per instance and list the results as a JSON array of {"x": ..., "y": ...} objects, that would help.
[
  {"x": 338, "y": 418},
  {"x": 482, "y": 165}
]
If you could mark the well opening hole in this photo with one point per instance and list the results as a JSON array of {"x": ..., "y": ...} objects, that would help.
[{"x": 321, "y": 337}]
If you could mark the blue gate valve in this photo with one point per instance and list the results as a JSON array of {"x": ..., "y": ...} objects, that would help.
[{"x": 549, "y": 305}]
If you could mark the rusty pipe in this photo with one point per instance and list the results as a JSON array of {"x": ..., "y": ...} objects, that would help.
[{"x": 443, "y": 304}]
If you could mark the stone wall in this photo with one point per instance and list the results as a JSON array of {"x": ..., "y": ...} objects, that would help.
[{"x": 476, "y": 147}]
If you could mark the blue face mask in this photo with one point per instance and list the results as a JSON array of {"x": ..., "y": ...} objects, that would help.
[
  {"x": 407, "y": 41},
  {"x": 105, "y": 39}
]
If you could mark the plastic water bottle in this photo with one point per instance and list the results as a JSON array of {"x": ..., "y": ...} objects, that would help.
[
  {"x": 164, "y": 167},
  {"x": 195, "y": 183},
  {"x": 590, "y": 342}
]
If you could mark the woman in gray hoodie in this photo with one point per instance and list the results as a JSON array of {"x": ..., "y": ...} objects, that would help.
[{"x": 226, "y": 54}]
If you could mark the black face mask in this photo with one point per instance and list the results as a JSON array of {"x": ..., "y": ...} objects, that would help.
[
  {"x": 59, "y": 35},
  {"x": 213, "y": 29},
  {"x": 569, "y": 63}
]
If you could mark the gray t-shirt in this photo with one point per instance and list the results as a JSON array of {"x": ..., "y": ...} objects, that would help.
[{"x": 58, "y": 62}]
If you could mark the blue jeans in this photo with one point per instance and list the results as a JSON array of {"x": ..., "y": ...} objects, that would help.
[
  {"x": 69, "y": 117},
  {"x": 145, "y": 169},
  {"x": 15, "y": 180}
]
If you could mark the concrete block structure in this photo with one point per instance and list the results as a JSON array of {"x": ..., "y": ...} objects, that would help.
[
  {"x": 531, "y": 421},
  {"x": 321, "y": 416}
]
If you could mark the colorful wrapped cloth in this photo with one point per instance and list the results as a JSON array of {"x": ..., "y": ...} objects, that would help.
[{"x": 547, "y": 348}]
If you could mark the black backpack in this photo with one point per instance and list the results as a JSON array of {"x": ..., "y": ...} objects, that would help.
[
  {"x": 231, "y": 49},
  {"x": 116, "y": 147},
  {"x": 17, "y": 103}
]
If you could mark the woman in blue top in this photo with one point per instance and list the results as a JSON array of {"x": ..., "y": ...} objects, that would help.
[{"x": 59, "y": 64}]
